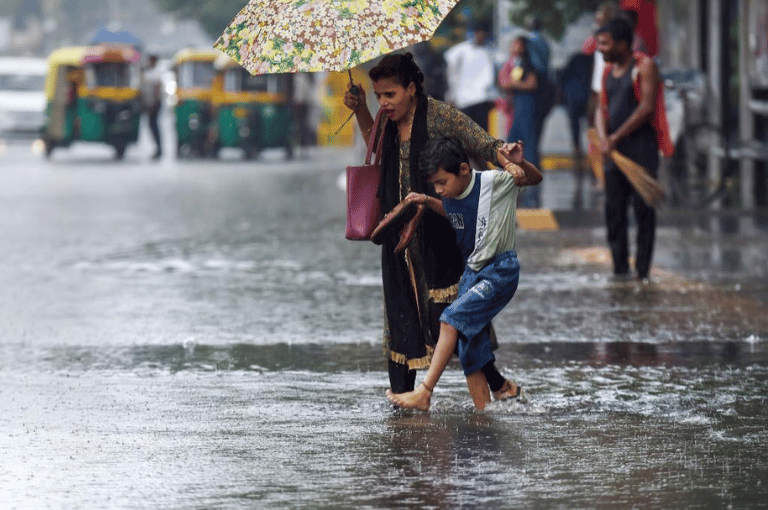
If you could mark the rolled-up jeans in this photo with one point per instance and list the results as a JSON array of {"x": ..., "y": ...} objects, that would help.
[{"x": 482, "y": 295}]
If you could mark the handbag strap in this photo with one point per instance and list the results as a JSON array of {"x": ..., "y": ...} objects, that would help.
[{"x": 376, "y": 128}]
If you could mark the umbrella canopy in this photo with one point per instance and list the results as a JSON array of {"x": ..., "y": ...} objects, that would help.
[{"x": 283, "y": 36}]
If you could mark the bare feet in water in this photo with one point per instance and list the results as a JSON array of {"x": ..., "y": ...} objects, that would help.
[{"x": 416, "y": 399}]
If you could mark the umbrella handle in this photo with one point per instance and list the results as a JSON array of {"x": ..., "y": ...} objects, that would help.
[{"x": 354, "y": 89}]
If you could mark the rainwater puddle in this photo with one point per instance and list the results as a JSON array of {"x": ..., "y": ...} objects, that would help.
[
  {"x": 616, "y": 425},
  {"x": 198, "y": 336}
]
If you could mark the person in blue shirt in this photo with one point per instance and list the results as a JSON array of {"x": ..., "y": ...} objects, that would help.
[
  {"x": 481, "y": 208},
  {"x": 521, "y": 79}
]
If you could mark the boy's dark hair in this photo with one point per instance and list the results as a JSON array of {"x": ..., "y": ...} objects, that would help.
[
  {"x": 619, "y": 29},
  {"x": 446, "y": 153}
]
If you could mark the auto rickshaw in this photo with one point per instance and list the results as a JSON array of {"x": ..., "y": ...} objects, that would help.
[
  {"x": 252, "y": 112},
  {"x": 193, "y": 109},
  {"x": 93, "y": 95}
]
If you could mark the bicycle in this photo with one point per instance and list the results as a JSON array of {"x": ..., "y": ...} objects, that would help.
[{"x": 696, "y": 139}]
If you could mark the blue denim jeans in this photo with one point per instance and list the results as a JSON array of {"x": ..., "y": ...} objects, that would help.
[{"x": 482, "y": 295}]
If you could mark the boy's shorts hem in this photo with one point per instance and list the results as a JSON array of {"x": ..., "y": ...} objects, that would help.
[{"x": 474, "y": 357}]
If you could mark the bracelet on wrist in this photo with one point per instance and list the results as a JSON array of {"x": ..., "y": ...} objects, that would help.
[{"x": 514, "y": 169}]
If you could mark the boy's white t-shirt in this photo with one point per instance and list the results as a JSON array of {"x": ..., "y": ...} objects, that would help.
[{"x": 484, "y": 216}]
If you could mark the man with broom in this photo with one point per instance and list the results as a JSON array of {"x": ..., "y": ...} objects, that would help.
[{"x": 630, "y": 121}]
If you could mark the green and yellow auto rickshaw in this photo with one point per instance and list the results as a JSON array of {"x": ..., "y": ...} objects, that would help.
[
  {"x": 93, "y": 95},
  {"x": 193, "y": 109},
  {"x": 252, "y": 112}
]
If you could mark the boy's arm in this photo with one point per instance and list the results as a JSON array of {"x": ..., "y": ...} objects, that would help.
[
  {"x": 525, "y": 174},
  {"x": 510, "y": 157},
  {"x": 433, "y": 203}
]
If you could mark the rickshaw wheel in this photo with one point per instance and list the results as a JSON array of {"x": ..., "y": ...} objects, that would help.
[
  {"x": 250, "y": 152},
  {"x": 213, "y": 152}
]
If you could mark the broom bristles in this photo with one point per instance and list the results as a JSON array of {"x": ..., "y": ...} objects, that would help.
[{"x": 647, "y": 187}]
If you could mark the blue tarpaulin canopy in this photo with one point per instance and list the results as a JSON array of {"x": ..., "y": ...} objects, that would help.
[{"x": 104, "y": 35}]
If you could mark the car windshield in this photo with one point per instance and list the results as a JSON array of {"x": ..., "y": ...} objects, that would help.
[
  {"x": 22, "y": 82},
  {"x": 112, "y": 74},
  {"x": 195, "y": 75}
]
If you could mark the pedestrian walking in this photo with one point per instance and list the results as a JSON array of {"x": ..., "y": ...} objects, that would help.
[
  {"x": 481, "y": 208},
  {"x": 604, "y": 13},
  {"x": 304, "y": 92},
  {"x": 539, "y": 54},
  {"x": 422, "y": 280},
  {"x": 519, "y": 78},
  {"x": 471, "y": 75},
  {"x": 152, "y": 98},
  {"x": 629, "y": 120},
  {"x": 645, "y": 27}
]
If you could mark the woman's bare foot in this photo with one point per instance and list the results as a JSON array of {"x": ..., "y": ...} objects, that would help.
[
  {"x": 416, "y": 399},
  {"x": 508, "y": 390}
]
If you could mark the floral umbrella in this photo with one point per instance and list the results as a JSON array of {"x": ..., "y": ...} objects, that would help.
[{"x": 284, "y": 36}]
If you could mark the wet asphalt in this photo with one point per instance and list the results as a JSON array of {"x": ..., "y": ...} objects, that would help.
[{"x": 198, "y": 334}]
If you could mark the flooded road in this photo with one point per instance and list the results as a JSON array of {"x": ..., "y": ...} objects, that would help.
[{"x": 198, "y": 334}]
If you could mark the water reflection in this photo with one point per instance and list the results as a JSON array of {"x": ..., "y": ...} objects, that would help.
[
  {"x": 367, "y": 357},
  {"x": 446, "y": 461},
  {"x": 610, "y": 425}
]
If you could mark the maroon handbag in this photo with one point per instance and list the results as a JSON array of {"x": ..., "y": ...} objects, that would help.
[{"x": 363, "y": 207}]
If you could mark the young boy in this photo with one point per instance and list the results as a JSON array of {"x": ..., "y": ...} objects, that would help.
[{"x": 481, "y": 209}]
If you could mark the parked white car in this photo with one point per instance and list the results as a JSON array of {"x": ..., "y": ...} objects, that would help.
[{"x": 22, "y": 94}]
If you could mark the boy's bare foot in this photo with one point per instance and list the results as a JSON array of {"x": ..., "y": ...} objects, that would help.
[
  {"x": 508, "y": 390},
  {"x": 416, "y": 399}
]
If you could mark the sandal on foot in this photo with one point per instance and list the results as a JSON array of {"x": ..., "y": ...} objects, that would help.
[{"x": 518, "y": 393}]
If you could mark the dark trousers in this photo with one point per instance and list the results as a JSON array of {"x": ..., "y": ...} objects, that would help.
[
  {"x": 152, "y": 116},
  {"x": 619, "y": 194},
  {"x": 401, "y": 379}
]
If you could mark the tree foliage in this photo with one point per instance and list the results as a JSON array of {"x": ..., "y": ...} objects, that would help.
[
  {"x": 213, "y": 15},
  {"x": 555, "y": 15}
]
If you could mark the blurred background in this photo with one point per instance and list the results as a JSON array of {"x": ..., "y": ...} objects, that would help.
[
  {"x": 189, "y": 328},
  {"x": 713, "y": 53}
]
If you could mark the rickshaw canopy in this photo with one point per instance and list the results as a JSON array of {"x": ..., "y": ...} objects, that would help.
[
  {"x": 195, "y": 72},
  {"x": 235, "y": 84},
  {"x": 195, "y": 55},
  {"x": 79, "y": 56}
]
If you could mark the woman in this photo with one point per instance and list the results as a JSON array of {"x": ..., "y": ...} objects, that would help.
[
  {"x": 518, "y": 77},
  {"x": 422, "y": 280}
]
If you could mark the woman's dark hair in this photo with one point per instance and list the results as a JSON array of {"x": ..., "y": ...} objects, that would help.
[
  {"x": 446, "y": 153},
  {"x": 619, "y": 29},
  {"x": 400, "y": 67},
  {"x": 526, "y": 56}
]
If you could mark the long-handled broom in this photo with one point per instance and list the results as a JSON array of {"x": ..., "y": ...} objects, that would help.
[{"x": 647, "y": 187}]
